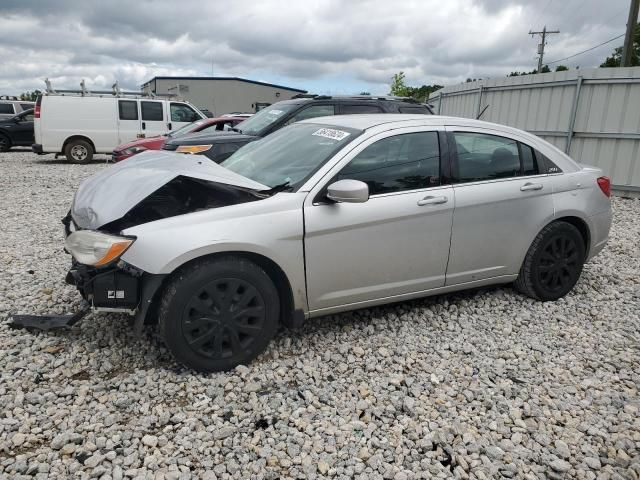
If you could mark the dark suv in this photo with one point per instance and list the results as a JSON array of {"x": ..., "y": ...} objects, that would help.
[{"x": 220, "y": 145}]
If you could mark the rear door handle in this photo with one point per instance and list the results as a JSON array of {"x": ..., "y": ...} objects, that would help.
[
  {"x": 432, "y": 201},
  {"x": 531, "y": 186}
]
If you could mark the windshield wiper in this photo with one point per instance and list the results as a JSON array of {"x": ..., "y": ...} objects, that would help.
[{"x": 283, "y": 187}]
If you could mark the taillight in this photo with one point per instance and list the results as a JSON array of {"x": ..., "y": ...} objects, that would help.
[
  {"x": 36, "y": 112},
  {"x": 605, "y": 185}
]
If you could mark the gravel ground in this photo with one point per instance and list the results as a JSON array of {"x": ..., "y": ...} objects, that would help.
[{"x": 485, "y": 384}]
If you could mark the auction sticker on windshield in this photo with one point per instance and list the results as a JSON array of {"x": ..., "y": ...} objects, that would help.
[
  {"x": 275, "y": 112},
  {"x": 331, "y": 133}
]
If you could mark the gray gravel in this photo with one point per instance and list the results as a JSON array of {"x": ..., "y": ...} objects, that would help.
[{"x": 478, "y": 385}]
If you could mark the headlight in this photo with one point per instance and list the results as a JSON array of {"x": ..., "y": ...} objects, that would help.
[
  {"x": 193, "y": 148},
  {"x": 96, "y": 248},
  {"x": 134, "y": 150}
]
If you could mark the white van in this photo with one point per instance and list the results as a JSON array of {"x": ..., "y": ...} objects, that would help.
[{"x": 79, "y": 125}]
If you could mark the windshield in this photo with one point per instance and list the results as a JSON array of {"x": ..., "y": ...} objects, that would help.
[
  {"x": 259, "y": 122},
  {"x": 290, "y": 155},
  {"x": 187, "y": 128}
]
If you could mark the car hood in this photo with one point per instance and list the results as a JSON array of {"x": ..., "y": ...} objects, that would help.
[
  {"x": 140, "y": 142},
  {"x": 110, "y": 194},
  {"x": 209, "y": 138}
]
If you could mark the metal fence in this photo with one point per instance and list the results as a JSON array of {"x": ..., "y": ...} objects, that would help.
[{"x": 592, "y": 114}]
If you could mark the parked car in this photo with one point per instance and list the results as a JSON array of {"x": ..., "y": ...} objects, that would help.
[
  {"x": 11, "y": 106},
  {"x": 80, "y": 125},
  {"x": 16, "y": 131},
  {"x": 328, "y": 215},
  {"x": 126, "y": 150},
  {"x": 217, "y": 146}
]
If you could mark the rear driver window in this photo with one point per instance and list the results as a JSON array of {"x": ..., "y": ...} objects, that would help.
[
  {"x": 6, "y": 108},
  {"x": 404, "y": 162},
  {"x": 152, "y": 111},
  {"x": 486, "y": 157}
]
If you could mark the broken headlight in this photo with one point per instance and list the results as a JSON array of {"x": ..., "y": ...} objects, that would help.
[
  {"x": 193, "y": 148},
  {"x": 96, "y": 248}
]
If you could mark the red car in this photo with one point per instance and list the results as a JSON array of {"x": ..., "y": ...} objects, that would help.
[{"x": 126, "y": 150}]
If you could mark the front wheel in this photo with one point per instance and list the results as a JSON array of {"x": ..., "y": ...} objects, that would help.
[
  {"x": 553, "y": 263},
  {"x": 5, "y": 143},
  {"x": 219, "y": 313},
  {"x": 79, "y": 151}
]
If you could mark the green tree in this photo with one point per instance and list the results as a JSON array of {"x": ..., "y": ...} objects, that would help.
[
  {"x": 30, "y": 96},
  {"x": 400, "y": 89},
  {"x": 561, "y": 68},
  {"x": 615, "y": 59},
  {"x": 366, "y": 94},
  {"x": 398, "y": 86}
]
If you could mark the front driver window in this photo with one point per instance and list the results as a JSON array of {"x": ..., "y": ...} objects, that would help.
[
  {"x": 183, "y": 113},
  {"x": 312, "y": 112},
  {"x": 408, "y": 161}
]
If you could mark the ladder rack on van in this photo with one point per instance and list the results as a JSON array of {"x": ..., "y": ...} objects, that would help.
[{"x": 115, "y": 92}]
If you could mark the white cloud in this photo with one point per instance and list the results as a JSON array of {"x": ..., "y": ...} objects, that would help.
[{"x": 365, "y": 40}]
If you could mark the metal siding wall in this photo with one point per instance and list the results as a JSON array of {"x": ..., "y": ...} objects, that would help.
[{"x": 610, "y": 106}]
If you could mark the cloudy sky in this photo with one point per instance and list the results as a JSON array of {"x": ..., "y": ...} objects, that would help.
[{"x": 325, "y": 46}]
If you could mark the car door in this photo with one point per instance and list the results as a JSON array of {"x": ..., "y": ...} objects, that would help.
[
  {"x": 181, "y": 114},
  {"x": 502, "y": 201},
  {"x": 24, "y": 130},
  {"x": 395, "y": 243},
  {"x": 153, "y": 118},
  {"x": 129, "y": 127}
]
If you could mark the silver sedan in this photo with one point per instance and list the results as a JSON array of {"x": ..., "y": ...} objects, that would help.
[{"x": 329, "y": 215}]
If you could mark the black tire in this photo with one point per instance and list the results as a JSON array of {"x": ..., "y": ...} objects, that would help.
[
  {"x": 200, "y": 323},
  {"x": 553, "y": 263},
  {"x": 78, "y": 151},
  {"x": 5, "y": 143}
]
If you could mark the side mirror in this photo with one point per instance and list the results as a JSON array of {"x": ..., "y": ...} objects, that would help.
[{"x": 348, "y": 191}]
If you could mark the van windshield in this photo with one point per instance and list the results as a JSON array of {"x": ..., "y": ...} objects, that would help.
[
  {"x": 258, "y": 123},
  {"x": 290, "y": 155}
]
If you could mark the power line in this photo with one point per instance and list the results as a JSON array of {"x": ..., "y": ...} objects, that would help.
[{"x": 587, "y": 50}]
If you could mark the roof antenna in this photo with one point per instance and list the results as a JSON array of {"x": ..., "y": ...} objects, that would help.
[
  {"x": 116, "y": 89},
  {"x": 50, "y": 89},
  {"x": 482, "y": 112}
]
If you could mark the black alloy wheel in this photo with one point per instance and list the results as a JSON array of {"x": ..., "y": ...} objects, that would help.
[
  {"x": 223, "y": 318},
  {"x": 553, "y": 263},
  {"x": 217, "y": 313}
]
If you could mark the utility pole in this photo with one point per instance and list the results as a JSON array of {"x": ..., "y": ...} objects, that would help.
[
  {"x": 627, "y": 50},
  {"x": 544, "y": 34}
]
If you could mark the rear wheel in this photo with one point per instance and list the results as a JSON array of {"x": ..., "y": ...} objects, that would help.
[
  {"x": 553, "y": 263},
  {"x": 79, "y": 151},
  {"x": 5, "y": 143},
  {"x": 219, "y": 313}
]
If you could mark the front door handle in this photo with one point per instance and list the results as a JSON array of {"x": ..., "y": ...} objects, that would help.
[
  {"x": 432, "y": 201},
  {"x": 144, "y": 126},
  {"x": 531, "y": 186}
]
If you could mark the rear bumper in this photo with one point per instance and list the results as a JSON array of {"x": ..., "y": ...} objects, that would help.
[
  {"x": 600, "y": 226},
  {"x": 37, "y": 148}
]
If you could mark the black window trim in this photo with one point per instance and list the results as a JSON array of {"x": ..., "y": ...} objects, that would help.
[{"x": 454, "y": 159}]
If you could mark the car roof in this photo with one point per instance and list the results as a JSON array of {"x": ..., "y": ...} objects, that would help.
[{"x": 368, "y": 121}]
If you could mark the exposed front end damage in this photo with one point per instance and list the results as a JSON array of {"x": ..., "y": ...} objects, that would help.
[{"x": 147, "y": 188}]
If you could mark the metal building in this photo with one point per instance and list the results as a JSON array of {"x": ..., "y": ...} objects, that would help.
[
  {"x": 591, "y": 114},
  {"x": 221, "y": 95}
]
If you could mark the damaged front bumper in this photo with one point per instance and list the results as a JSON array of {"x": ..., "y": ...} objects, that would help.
[{"x": 120, "y": 288}]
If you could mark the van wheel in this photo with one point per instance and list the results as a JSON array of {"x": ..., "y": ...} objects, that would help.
[
  {"x": 5, "y": 143},
  {"x": 219, "y": 313},
  {"x": 553, "y": 263},
  {"x": 79, "y": 151}
]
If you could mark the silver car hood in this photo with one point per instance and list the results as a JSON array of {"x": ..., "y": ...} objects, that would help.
[{"x": 110, "y": 194}]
